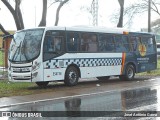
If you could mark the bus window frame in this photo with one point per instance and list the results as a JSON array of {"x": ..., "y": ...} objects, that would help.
[
  {"x": 78, "y": 42},
  {"x": 89, "y": 34},
  {"x": 113, "y": 42}
]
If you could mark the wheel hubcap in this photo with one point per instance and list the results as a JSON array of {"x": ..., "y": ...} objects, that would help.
[
  {"x": 72, "y": 76},
  {"x": 130, "y": 73}
]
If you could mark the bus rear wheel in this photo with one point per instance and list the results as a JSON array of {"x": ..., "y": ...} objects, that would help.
[
  {"x": 129, "y": 73},
  {"x": 42, "y": 84},
  {"x": 103, "y": 78},
  {"x": 71, "y": 76}
]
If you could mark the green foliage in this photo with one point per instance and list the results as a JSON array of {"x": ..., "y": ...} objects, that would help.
[
  {"x": 11, "y": 89},
  {"x": 1, "y": 58},
  {"x": 22, "y": 88}
]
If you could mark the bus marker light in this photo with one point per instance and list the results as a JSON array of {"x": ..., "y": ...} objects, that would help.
[{"x": 125, "y": 33}]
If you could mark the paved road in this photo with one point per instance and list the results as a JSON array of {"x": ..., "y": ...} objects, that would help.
[{"x": 92, "y": 100}]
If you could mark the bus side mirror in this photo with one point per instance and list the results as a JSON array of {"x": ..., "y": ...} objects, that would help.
[{"x": 7, "y": 36}]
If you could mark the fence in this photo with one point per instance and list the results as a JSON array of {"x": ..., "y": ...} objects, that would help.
[{"x": 3, "y": 70}]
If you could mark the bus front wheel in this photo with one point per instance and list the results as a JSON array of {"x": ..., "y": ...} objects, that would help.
[
  {"x": 42, "y": 84},
  {"x": 129, "y": 73},
  {"x": 71, "y": 76}
]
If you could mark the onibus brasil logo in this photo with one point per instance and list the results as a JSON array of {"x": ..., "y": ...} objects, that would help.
[{"x": 142, "y": 49}]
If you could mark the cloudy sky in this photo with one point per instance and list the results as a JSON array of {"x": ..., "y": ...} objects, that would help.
[{"x": 70, "y": 15}]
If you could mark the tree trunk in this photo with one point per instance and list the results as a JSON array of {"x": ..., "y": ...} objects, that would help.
[
  {"x": 3, "y": 30},
  {"x": 58, "y": 10},
  {"x": 120, "y": 23},
  {"x": 44, "y": 14},
  {"x": 19, "y": 14},
  {"x": 14, "y": 13}
]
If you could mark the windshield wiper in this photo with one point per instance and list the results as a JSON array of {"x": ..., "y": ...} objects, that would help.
[{"x": 17, "y": 51}]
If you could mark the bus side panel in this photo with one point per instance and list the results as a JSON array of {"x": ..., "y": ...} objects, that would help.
[
  {"x": 90, "y": 65},
  {"x": 54, "y": 74},
  {"x": 147, "y": 63},
  {"x": 87, "y": 72}
]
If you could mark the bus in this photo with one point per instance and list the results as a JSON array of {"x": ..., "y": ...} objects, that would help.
[{"x": 47, "y": 54}]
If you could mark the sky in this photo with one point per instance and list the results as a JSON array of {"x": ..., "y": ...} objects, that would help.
[{"x": 71, "y": 14}]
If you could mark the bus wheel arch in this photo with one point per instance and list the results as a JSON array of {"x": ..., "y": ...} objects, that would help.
[
  {"x": 72, "y": 74},
  {"x": 133, "y": 64},
  {"x": 129, "y": 71}
]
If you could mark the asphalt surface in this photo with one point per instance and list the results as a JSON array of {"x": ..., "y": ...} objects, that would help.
[{"x": 112, "y": 99}]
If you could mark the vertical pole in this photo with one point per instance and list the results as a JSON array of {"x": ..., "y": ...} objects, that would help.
[
  {"x": 149, "y": 15},
  {"x": 6, "y": 48},
  {"x": 94, "y": 10}
]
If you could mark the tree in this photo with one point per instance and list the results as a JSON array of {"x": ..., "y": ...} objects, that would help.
[
  {"x": 3, "y": 30},
  {"x": 16, "y": 13},
  {"x": 44, "y": 14},
  {"x": 156, "y": 26},
  {"x": 61, "y": 3},
  {"x": 58, "y": 10},
  {"x": 120, "y": 23},
  {"x": 138, "y": 8}
]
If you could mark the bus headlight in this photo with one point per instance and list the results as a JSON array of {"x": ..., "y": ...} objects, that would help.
[{"x": 34, "y": 75}]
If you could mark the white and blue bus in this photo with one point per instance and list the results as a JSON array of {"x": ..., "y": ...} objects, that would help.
[{"x": 43, "y": 55}]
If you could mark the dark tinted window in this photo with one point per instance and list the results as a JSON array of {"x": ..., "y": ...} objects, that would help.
[
  {"x": 72, "y": 41},
  {"x": 89, "y": 42},
  {"x": 126, "y": 43},
  {"x": 106, "y": 43},
  {"x": 53, "y": 44},
  {"x": 135, "y": 41},
  {"x": 158, "y": 46},
  {"x": 148, "y": 42},
  {"x": 121, "y": 43}
]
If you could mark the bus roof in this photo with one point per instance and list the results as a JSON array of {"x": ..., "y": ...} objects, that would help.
[
  {"x": 89, "y": 29},
  {"x": 96, "y": 29}
]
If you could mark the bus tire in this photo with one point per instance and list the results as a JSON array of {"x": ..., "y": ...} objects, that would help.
[
  {"x": 71, "y": 76},
  {"x": 129, "y": 73},
  {"x": 103, "y": 78},
  {"x": 42, "y": 84}
]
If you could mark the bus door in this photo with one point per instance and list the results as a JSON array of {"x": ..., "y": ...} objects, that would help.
[{"x": 53, "y": 48}]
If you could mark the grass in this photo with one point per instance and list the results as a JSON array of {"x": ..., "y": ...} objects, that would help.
[
  {"x": 19, "y": 89},
  {"x": 1, "y": 58},
  {"x": 12, "y": 89}
]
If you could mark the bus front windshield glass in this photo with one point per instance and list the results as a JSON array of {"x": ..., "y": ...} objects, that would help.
[{"x": 25, "y": 45}]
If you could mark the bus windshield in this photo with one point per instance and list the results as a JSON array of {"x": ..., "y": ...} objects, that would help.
[{"x": 25, "y": 45}]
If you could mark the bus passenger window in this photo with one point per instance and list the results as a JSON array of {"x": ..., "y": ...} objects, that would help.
[
  {"x": 119, "y": 44},
  {"x": 126, "y": 43},
  {"x": 135, "y": 41},
  {"x": 52, "y": 44},
  {"x": 148, "y": 42},
  {"x": 92, "y": 44},
  {"x": 110, "y": 43},
  {"x": 72, "y": 41},
  {"x": 83, "y": 42},
  {"x": 89, "y": 42},
  {"x": 106, "y": 43},
  {"x": 102, "y": 43}
]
